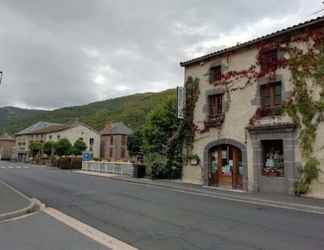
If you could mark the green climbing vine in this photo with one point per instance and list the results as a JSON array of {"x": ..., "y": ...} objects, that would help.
[
  {"x": 191, "y": 97},
  {"x": 305, "y": 108},
  {"x": 306, "y": 105}
]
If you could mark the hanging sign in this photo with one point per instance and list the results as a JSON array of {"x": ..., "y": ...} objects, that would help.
[{"x": 180, "y": 102}]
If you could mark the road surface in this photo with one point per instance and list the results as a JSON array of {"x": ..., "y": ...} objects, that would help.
[{"x": 155, "y": 218}]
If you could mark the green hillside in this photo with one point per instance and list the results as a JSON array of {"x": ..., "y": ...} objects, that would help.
[{"x": 130, "y": 109}]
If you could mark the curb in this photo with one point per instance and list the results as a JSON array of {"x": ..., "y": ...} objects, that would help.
[{"x": 34, "y": 206}]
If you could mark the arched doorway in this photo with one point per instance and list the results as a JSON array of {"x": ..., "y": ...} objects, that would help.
[
  {"x": 225, "y": 164},
  {"x": 225, "y": 167}
]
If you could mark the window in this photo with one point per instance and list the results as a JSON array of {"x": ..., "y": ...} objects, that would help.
[
  {"x": 215, "y": 73},
  {"x": 273, "y": 159},
  {"x": 111, "y": 140},
  {"x": 50, "y": 137},
  {"x": 215, "y": 105},
  {"x": 123, "y": 139},
  {"x": 122, "y": 153},
  {"x": 271, "y": 95},
  {"x": 91, "y": 141},
  {"x": 58, "y": 137},
  {"x": 268, "y": 59}
]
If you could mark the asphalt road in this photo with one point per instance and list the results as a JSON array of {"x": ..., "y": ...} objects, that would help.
[{"x": 155, "y": 218}]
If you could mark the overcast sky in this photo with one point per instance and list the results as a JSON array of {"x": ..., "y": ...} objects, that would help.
[{"x": 71, "y": 52}]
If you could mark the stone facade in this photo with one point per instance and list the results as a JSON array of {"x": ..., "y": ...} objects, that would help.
[
  {"x": 114, "y": 140},
  {"x": 54, "y": 132},
  {"x": 7, "y": 147},
  {"x": 239, "y": 108}
]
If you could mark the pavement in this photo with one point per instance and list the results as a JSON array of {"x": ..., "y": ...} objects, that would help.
[
  {"x": 40, "y": 231},
  {"x": 27, "y": 224},
  {"x": 155, "y": 217},
  {"x": 11, "y": 201}
]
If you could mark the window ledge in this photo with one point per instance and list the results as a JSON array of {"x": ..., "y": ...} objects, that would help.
[
  {"x": 268, "y": 112},
  {"x": 215, "y": 121}
]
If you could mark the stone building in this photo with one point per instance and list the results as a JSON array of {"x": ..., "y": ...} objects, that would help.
[
  {"x": 242, "y": 137},
  {"x": 7, "y": 147},
  {"x": 44, "y": 132},
  {"x": 114, "y": 138}
]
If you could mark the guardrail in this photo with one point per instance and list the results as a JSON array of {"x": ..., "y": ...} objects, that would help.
[{"x": 118, "y": 168}]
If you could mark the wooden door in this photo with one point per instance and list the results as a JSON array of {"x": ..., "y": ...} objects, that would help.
[
  {"x": 224, "y": 169},
  {"x": 237, "y": 169}
]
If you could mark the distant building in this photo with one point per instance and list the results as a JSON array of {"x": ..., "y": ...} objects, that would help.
[
  {"x": 44, "y": 132},
  {"x": 7, "y": 147},
  {"x": 114, "y": 139}
]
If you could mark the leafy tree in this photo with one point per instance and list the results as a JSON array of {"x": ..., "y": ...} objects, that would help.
[
  {"x": 35, "y": 147},
  {"x": 63, "y": 147},
  {"x": 163, "y": 140},
  {"x": 135, "y": 143},
  {"x": 49, "y": 147},
  {"x": 160, "y": 126},
  {"x": 79, "y": 146}
]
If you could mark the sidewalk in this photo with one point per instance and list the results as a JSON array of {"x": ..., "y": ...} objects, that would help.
[
  {"x": 303, "y": 204},
  {"x": 26, "y": 224},
  {"x": 41, "y": 232},
  {"x": 13, "y": 203}
]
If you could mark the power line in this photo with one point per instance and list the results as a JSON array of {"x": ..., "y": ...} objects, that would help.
[{"x": 319, "y": 11}]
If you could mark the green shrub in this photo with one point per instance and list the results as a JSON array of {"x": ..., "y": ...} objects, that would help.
[
  {"x": 79, "y": 146},
  {"x": 307, "y": 174},
  {"x": 63, "y": 147},
  {"x": 49, "y": 147}
]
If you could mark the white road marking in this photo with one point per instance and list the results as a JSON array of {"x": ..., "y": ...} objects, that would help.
[
  {"x": 14, "y": 167},
  {"x": 88, "y": 231}
]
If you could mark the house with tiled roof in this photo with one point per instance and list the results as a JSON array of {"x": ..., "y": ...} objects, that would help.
[
  {"x": 114, "y": 139},
  {"x": 257, "y": 114},
  {"x": 44, "y": 132},
  {"x": 7, "y": 147}
]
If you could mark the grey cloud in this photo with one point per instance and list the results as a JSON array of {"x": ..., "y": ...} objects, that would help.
[{"x": 58, "y": 53}]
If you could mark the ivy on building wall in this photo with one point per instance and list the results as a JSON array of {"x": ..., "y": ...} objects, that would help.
[
  {"x": 191, "y": 97},
  {"x": 306, "y": 108},
  {"x": 306, "y": 105}
]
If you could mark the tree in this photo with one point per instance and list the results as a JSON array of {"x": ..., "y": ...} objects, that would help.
[
  {"x": 63, "y": 147},
  {"x": 163, "y": 141},
  {"x": 79, "y": 146},
  {"x": 49, "y": 147},
  {"x": 35, "y": 147},
  {"x": 135, "y": 143},
  {"x": 159, "y": 127}
]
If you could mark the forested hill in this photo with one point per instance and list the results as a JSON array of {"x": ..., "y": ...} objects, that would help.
[{"x": 131, "y": 110}]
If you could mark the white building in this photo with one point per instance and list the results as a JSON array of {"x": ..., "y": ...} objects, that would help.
[{"x": 44, "y": 132}]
